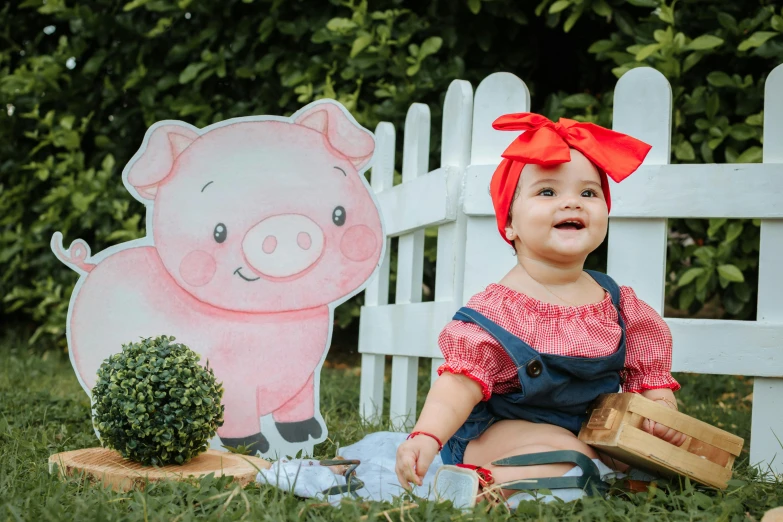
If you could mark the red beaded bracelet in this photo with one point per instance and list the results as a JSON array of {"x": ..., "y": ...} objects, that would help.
[{"x": 440, "y": 444}]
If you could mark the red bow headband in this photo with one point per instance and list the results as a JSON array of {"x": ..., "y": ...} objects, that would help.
[{"x": 546, "y": 143}]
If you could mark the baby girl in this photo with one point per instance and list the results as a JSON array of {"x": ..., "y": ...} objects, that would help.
[{"x": 525, "y": 357}]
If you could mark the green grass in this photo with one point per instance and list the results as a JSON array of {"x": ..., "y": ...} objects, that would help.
[{"x": 43, "y": 411}]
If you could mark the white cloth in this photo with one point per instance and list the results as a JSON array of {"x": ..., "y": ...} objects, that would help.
[{"x": 377, "y": 453}]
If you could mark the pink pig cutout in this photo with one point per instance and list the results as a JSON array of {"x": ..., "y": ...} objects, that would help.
[{"x": 257, "y": 228}]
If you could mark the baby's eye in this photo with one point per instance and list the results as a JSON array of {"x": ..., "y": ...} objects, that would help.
[
  {"x": 547, "y": 192},
  {"x": 589, "y": 193}
]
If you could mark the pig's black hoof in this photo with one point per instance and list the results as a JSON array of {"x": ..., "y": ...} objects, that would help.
[
  {"x": 255, "y": 443},
  {"x": 299, "y": 431}
]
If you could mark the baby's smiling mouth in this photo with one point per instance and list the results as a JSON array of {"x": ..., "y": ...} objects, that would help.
[
  {"x": 571, "y": 224},
  {"x": 237, "y": 272}
]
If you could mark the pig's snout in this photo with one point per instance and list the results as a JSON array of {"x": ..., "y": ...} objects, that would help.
[{"x": 284, "y": 245}]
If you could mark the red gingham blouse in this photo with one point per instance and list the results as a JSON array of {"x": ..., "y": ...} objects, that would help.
[{"x": 589, "y": 330}]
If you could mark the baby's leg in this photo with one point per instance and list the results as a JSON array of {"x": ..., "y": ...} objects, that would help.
[{"x": 517, "y": 437}]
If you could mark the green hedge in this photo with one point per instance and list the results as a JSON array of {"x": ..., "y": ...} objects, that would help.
[{"x": 82, "y": 80}]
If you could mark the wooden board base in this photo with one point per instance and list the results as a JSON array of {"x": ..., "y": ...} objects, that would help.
[{"x": 107, "y": 466}]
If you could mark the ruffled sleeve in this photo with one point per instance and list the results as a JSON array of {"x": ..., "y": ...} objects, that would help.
[
  {"x": 472, "y": 352},
  {"x": 648, "y": 359}
]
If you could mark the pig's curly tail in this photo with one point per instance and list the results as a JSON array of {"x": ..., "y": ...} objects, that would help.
[{"x": 76, "y": 254}]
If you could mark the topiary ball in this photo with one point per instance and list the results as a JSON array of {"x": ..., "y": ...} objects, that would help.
[{"x": 155, "y": 404}]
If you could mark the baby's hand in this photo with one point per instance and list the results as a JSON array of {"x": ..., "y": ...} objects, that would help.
[
  {"x": 664, "y": 432},
  {"x": 414, "y": 457}
]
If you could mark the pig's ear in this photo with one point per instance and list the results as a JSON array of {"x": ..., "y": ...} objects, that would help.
[
  {"x": 341, "y": 132},
  {"x": 165, "y": 144}
]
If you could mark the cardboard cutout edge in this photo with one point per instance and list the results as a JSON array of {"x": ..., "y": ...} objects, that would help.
[{"x": 80, "y": 258}]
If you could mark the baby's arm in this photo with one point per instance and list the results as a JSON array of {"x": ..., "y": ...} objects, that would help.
[
  {"x": 649, "y": 360},
  {"x": 448, "y": 404}
]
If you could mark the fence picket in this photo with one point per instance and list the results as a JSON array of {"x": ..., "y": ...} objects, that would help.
[
  {"x": 637, "y": 247},
  {"x": 454, "y": 158},
  {"x": 410, "y": 263},
  {"x": 767, "y": 421},
  {"x": 488, "y": 259},
  {"x": 377, "y": 291}
]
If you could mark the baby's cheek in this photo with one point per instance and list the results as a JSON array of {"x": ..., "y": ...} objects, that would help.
[{"x": 197, "y": 268}]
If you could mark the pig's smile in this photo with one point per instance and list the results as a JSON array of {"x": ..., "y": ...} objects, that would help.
[{"x": 237, "y": 272}]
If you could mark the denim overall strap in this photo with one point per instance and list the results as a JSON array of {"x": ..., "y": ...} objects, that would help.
[{"x": 517, "y": 349}]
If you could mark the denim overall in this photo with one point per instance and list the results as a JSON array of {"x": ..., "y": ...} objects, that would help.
[{"x": 556, "y": 389}]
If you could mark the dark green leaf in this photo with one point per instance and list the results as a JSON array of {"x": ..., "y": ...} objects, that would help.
[
  {"x": 715, "y": 225},
  {"x": 666, "y": 13},
  {"x": 134, "y": 4},
  {"x": 756, "y": 39},
  {"x": 732, "y": 306},
  {"x": 430, "y": 46},
  {"x": 600, "y": 46},
  {"x": 579, "y": 101},
  {"x": 558, "y": 6},
  {"x": 742, "y": 132},
  {"x": 755, "y": 119},
  {"x": 743, "y": 292},
  {"x": 720, "y": 79},
  {"x": 191, "y": 71},
  {"x": 684, "y": 151},
  {"x": 731, "y": 273},
  {"x": 727, "y": 21},
  {"x": 601, "y": 8},
  {"x": 702, "y": 282},
  {"x": 340, "y": 24},
  {"x": 360, "y": 43},
  {"x": 573, "y": 18},
  {"x": 704, "y": 42},
  {"x": 733, "y": 231},
  {"x": 691, "y": 60},
  {"x": 713, "y": 104},
  {"x": 689, "y": 275},
  {"x": 751, "y": 155},
  {"x": 686, "y": 297},
  {"x": 624, "y": 22},
  {"x": 647, "y": 51}
]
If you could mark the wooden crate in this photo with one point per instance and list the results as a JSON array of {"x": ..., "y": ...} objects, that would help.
[
  {"x": 108, "y": 466},
  {"x": 614, "y": 428}
]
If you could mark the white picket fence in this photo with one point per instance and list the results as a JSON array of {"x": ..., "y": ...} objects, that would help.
[{"x": 471, "y": 254}]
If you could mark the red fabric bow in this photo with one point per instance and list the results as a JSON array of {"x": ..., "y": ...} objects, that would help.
[{"x": 547, "y": 143}]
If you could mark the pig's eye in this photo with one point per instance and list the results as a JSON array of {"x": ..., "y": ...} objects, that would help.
[
  {"x": 338, "y": 216},
  {"x": 220, "y": 232}
]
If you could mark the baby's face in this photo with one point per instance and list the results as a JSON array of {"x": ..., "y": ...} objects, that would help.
[{"x": 560, "y": 213}]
